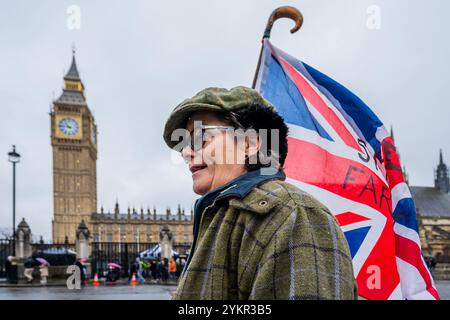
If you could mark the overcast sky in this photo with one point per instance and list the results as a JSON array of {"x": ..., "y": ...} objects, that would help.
[{"x": 138, "y": 59}]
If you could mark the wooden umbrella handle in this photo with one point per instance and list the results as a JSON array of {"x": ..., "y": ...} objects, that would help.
[{"x": 284, "y": 12}]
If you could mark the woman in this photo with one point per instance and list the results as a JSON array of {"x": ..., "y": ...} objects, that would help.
[{"x": 255, "y": 235}]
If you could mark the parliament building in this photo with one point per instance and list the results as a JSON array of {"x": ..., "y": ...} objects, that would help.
[
  {"x": 75, "y": 150},
  {"x": 433, "y": 213}
]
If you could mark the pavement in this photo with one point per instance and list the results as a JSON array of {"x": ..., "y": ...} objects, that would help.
[
  {"x": 63, "y": 283},
  {"x": 120, "y": 291},
  {"x": 443, "y": 288},
  {"x": 115, "y": 292}
]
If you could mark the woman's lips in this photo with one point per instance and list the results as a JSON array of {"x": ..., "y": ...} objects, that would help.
[{"x": 196, "y": 168}]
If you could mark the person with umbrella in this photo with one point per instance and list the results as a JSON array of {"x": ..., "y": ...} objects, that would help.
[
  {"x": 43, "y": 268},
  {"x": 113, "y": 272}
]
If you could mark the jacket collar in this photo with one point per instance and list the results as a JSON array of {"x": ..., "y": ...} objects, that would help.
[
  {"x": 239, "y": 187},
  {"x": 242, "y": 185}
]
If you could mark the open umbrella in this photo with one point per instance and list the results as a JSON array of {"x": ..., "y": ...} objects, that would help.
[
  {"x": 43, "y": 261},
  {"x": 114, "y": 265}
]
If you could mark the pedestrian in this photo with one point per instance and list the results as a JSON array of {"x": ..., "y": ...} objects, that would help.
[
  {"x": 146, "y": 265},
  {"x": 291, "y": 247},
  {"x": 29, "y": 265},
  {"x": 43, "y": 268},
  {"x": 154, "y": 270},
  {"x": 162, "y": 268},
  {"x": 80, "y": 266},
  {"x": 133, "y": 270},
  {"x": 11, "y": 269},
  {"x": 172, "y": 269},
  {"x": 179, "y": 268},
  {"x": 140, "y": 270}
]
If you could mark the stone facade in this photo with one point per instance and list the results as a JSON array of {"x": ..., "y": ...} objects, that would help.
[
  {"x": 142, "y": 226},
  {"x": 74, "y": 145},
  {"x": 433, "y": 212}
]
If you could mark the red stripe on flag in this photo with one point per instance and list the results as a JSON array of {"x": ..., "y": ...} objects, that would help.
[
  {"x": 392, "y": 164},
  {"x": 349, "y": 217},
  {"x": 316, "y": 101},
  {"x": 308, "y": 163},
  {"x": 410, "y": 252}
]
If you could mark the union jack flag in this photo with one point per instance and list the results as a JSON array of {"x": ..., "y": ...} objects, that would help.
[{"x": 341, "y": 153}]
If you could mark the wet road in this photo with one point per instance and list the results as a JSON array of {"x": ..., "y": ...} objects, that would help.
[
  {"x": 443, "y": 287},
  {"x": 143, "y": 292}
]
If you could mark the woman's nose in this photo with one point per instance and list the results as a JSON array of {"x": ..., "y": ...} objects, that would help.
[{"x": 187, "y": 153}]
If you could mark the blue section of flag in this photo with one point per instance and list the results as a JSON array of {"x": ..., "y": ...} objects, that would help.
[
  {"x": 403, "y": 216},
  {"x": 284, "y": 95},
  {"x": 360, "y": 113},
  {"x": 355, "y": 238}
]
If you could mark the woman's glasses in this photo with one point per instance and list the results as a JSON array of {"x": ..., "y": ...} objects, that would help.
[{"x": 198, "y": 136}]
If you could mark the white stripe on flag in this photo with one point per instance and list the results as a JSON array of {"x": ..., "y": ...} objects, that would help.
[
  {"x": 412, "y": 280},
  {"x": 399, "y": 192},
  {"x": 408, "y": 233},
  {"x": 332, "y": 147}
]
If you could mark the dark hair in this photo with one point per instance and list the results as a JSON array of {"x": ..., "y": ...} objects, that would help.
[{"x": 259, "y": 117}]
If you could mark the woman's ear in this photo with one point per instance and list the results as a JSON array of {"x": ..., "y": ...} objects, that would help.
[{"x": 252, "y": 146}]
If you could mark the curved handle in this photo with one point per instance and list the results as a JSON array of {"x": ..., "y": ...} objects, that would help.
[{"x": 284, "y": 12}]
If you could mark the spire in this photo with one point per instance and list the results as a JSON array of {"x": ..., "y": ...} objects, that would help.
[
  {"x": 73, "y": 86},
  {"x": 73, "y": 73},
  {"x": 116, "y": 207},
  {"x": 442, "y": 179}
]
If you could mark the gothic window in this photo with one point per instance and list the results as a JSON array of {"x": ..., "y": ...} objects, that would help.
[{"x": 123, "y": 234}]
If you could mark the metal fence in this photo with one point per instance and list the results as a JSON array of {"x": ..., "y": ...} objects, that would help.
[
  {"x": 6, "y": 249},
  {"x": 57, "y": 254},
  {"x": 121, "y": 253},
  {"x": 182, "y": 248}
]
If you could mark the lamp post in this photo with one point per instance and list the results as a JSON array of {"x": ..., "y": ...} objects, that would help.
[{"x": 14, "y": 158}]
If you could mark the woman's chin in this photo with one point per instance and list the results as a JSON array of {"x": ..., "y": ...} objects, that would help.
[{"x": 200, "y": 188}]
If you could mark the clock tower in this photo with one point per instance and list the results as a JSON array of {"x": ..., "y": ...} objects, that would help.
[{"x": 74, "y": 146}]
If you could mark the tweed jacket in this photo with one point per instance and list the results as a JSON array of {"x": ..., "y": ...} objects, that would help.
[{"x": 274, "y": 242}]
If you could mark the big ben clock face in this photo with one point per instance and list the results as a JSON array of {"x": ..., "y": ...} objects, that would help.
[{"x": 68, "y": 127}]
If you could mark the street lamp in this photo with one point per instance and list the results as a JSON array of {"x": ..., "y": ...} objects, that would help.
[{"x": 14, "y": 158}]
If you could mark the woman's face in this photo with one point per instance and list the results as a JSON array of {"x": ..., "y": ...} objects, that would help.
[{"x": 211, "y": 165}]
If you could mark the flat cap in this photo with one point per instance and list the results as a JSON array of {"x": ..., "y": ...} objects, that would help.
[{"x": 211, "y": 99}]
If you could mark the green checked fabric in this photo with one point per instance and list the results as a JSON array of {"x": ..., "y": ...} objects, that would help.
[{"x": 276, "y": 242}]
